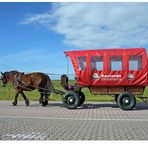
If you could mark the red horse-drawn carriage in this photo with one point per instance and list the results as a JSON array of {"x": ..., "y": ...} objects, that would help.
[{"x": 119, "y": 72}]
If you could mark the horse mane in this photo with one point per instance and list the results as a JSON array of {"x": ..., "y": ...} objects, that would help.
[
  {"x": 11, "y": 72},
  {"x": 14, "y": 72}
]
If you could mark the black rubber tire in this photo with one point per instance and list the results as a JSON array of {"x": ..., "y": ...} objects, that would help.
[
  {"x": 82, "y": 98},
  {"x": 126, "y": 101},
  {"x": 71, "y": 100}
]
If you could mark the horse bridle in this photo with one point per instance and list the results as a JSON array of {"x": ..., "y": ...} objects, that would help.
[{"x": 8, "y": 80}]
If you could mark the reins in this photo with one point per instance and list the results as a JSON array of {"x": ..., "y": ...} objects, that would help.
[{"x": 52, "y": 90}]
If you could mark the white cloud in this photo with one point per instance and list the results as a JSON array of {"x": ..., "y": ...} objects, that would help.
[
  {"x": 37, "y": 18},
  {"x": 96, "y": 25}
]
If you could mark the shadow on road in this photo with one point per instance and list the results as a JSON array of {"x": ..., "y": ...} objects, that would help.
[{"x": 139, "y": 106}]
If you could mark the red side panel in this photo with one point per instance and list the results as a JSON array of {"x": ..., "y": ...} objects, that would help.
[{"x": 106, "y": 76}]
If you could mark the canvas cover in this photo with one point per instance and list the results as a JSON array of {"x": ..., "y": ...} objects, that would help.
[{"x": 110, "y": 67}]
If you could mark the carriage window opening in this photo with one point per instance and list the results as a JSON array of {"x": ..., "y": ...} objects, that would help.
[
  {"x": 135, "y": 62},
  {"x": 82, "y": 62},
  {"x": 116, "y": 63},
  {"x": 97, "y": 63}
]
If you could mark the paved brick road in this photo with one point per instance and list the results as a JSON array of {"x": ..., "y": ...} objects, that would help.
[{"x": 101, "y": 121}]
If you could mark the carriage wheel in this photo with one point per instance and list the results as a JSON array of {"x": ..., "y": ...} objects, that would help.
[
  {"x": 126, "y": 101},
  {"x": 82, "y": 98},
  {"x": 71, "y": 100}
]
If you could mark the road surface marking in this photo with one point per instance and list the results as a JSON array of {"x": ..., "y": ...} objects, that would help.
[{"x": 78, "y": 119}]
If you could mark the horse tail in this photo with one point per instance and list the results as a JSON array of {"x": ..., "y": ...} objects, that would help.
[{"x": 49, "y": 85}]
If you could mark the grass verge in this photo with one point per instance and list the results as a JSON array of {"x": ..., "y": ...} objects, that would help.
[{"x": 8, "y": 93}]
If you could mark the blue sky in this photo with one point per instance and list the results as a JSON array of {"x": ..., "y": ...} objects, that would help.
[
  {"x": 28, "y": 47},
  {"x": 33, "y": 36}
]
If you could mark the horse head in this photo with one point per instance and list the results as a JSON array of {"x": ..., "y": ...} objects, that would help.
[
  {"x": 7, "y": 77},
  {"x": 3, "y": 79}
]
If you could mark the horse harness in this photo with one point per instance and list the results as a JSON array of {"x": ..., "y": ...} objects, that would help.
[
  {"x": 17, "y": 80},
  {"x": 19, "y": 84}
]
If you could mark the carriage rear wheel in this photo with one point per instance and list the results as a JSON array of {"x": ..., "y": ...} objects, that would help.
[
  {"x": 71, "y": 100},
  {"x": 126, "y": 101},
  {"x": 82, "y": 98}
]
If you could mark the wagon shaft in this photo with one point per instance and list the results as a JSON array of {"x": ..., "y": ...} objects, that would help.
[{"x": 56, "y": 91}]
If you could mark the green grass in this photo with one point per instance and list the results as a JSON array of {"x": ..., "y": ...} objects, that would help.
[{"x": 8, "y": 93}]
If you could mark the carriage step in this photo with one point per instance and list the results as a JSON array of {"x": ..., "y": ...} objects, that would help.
[{"x": 144, "y": 99}]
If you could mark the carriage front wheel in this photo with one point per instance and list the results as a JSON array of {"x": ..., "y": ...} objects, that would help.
[
  {"x": 71, "y": 100},
  {"x": 126, "y": 101}
]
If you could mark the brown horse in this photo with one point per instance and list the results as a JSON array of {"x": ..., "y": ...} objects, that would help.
[{"x": 28, "y": 82}]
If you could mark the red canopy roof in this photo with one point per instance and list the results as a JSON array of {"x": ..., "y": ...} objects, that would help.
[{"x": 131, "y": 69}]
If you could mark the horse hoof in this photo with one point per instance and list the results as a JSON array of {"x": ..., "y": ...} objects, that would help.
[
  {"x": 27, "y": 103},
  {"x": 14, "y": 104},
  {"x": 40, "y": 102},
  {"x": 44, "y": 104}
]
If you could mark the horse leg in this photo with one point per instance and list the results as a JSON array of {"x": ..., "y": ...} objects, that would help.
[
  {"x": 46, "y": 99},
  {"x": 14, "y": 103},
  {"x": 25, "y": 98},
  {"x": 41, "y": 98}
]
